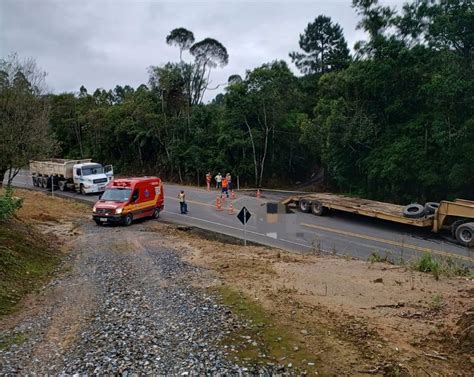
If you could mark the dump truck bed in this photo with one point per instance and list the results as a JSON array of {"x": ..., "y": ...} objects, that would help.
[
  {"x": 370, "y": 208},
  {"x": 56, "y": 167}
]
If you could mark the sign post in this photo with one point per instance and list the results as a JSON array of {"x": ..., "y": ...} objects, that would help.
[{"x": 244, "y": 216}]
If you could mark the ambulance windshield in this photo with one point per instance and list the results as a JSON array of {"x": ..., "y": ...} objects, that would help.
[{"x": 116, "y": 194}]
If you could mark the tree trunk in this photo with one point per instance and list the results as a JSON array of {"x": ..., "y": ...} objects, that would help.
[
  {"x": 12, "y": 173},
  {"x": 254, "y": 152},
  {"x": 2, "y": 175},
  {"x": 179, "y": 173},
  {"x": 265, "y": 147},
  {"x": 264, "y": 155}
]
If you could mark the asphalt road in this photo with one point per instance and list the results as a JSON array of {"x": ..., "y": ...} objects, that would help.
[{"x": 341, "y": 233}]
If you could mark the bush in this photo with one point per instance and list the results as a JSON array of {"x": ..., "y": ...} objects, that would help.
[
  {"x": 8, "y": 204},
  {"x": 428, "y": 264}
]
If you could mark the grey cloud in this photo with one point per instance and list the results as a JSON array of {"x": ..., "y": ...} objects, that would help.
[{"x": 105, "y": 43}]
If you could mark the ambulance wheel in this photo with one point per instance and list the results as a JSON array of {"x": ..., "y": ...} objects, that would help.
[
  {"x": 156, "y": 213},
  {"x": 128, "y": 219}
]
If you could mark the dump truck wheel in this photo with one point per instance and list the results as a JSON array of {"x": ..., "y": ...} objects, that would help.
[
  {"x": 305, "y": 205},
  {"x": 414, "y": 211},
  {"x": 465, "y": 234},
  {"x": 44, "y": 182},
  {"x": 128, "y": 219},
  {"x": 35, "y": 182},
  {"x": 81, "y": 190},
  {"x": 317, "y": 208},
  {"x": 62, "y": 185},
  {"x": 431, "y": 207}
]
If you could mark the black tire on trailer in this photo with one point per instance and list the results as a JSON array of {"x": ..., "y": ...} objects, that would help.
[
  {"x": 62, "y": 185},
  {"x": 35, "y": 182},
  {"x": 44, "y": 182},
  {"x": 455, "y": 225},
  {"x": 127, "y": 220},
  {"x": 156, "y": 213},
  {"x": 465, "y": 234},
  {"x": 317, "y": 208},
  {"x": 431, "y": 207},
  {"x": 414, "y": 211},
  {"x": 305, "y": 205}
]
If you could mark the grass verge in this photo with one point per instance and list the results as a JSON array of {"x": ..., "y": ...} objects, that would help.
[
  {"x": 16, "y": 339},
  {"x": 437, "y": 267},
  {"x": 262, "y": 340},
  {"x": 26, "y": 261}
]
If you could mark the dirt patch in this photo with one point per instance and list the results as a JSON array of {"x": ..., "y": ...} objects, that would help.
[{"x": 354, "y": 317}]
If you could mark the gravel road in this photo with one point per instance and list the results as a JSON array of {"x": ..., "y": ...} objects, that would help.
[{"x": 127, "y": 304}]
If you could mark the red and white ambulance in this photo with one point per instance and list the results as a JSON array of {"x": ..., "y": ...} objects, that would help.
[{"x": 128, "y": 199}]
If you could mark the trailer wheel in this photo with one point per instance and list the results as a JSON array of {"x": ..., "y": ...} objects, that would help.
[
  {"x": 44, "y": 182},
  {"x": 305, "y": 205},
  {"x": 456, "y": 224},
  {"x": 414, "y": 211},
  {"x": 317, "y": 208},
  {"x": 35, "y": 182},
  {"x": 128, "y": 219},
  {"x": 431, "y": 207},
  {"x": 62, "y": 185},
  {"x": 465, "y": 234}
]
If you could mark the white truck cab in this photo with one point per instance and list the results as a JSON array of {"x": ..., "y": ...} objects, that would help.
[{"x": 92, "y": 177}]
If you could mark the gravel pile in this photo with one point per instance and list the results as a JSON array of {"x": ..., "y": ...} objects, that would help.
[{"x": 148, "y": 318}]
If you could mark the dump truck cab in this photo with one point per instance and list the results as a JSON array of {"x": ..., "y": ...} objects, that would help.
[
  {"x": 91, "y": 177},
  {"x": 128, "y": 199}
]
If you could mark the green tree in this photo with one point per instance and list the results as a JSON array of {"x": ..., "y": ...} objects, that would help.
[
  {"x": 324, "y": 47},
  {"x": 181, "y": 37},
  {"x": 24, "y": 113}
]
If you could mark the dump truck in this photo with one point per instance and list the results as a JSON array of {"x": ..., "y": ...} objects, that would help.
[
  {"x": 455, "y": 216},
  {"x": 83, "y": 176}
]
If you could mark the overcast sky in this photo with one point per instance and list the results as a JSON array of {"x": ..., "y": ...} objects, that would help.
[{"x": 100, "y": 44}]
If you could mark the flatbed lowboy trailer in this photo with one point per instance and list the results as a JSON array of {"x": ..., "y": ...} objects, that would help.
[{"x": 456, "y": 216}]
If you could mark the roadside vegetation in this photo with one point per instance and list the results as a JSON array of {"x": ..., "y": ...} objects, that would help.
[
  {"x": 394, "y": 120},
  {"x": 25, "y": 256},
  {"x": 266, "y": 340},
  {"x": 28, "y": 256},
  {"x": 427, "y": 263}
]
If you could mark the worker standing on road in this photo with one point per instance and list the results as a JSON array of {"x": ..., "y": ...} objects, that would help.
[
  {"x": 225, "y": 187},
  {"x": 208, "y": 181},
  {"x": 229, "y": 181},
  {"x": 182, "y": 203},
  {"x": 218, "y": 179}
]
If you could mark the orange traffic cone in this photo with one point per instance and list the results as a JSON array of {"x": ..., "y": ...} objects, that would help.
[
  {"x": 231, "y": 209},
  {"x": 218, "y": 204},
  {"x": 232, "y": 194},
  {"x": 258, "y": 193}
]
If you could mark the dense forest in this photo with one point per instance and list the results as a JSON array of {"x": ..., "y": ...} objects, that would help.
[{"x": 391, "y": 119}]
